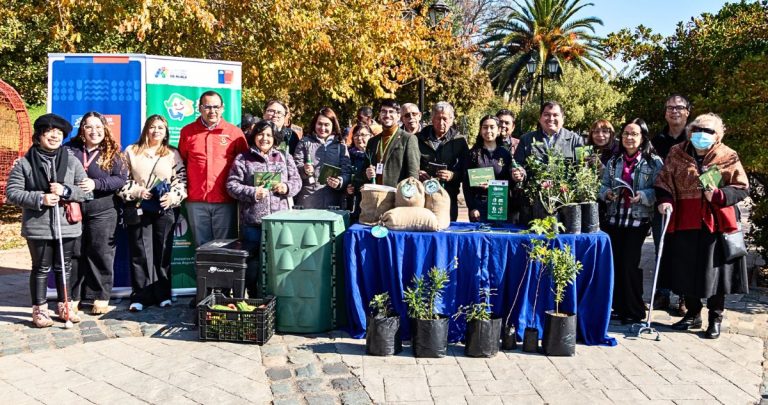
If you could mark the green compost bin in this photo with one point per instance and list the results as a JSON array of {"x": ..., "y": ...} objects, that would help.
[{"x": 304, "y": 268}]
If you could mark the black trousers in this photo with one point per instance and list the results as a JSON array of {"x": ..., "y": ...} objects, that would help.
[
  {"x": 715, "y": 305},
  {"x": 627, "y": 244},
  {"x": 45, "y": 255},
  {"x": 150, "y": 245},
  {"x": 94, "y": 257}
]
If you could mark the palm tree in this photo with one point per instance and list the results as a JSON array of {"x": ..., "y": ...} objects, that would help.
[{"x": 537, "y": 30}]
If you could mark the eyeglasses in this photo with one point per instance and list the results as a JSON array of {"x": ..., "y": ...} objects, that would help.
[
  {"x": 275, "y": 113},
  {"x": 362, "y": 135},
  {"x": 702, "y": 129},
  {"x": 631, "y": 134},
  {"x": 678, "y": 108},
  {"x": 93, "y": 127},
  {"x": 411, "y": 114},
  {"x": 212, "y": 107}
]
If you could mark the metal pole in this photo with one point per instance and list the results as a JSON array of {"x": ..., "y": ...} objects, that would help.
[{"x": 421, "y": 95}]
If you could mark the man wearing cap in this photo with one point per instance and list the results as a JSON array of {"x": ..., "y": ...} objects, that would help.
[{"x": 208, "y": 147}]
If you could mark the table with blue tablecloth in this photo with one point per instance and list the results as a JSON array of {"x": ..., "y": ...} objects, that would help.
[{"x": 493, "y": 258}]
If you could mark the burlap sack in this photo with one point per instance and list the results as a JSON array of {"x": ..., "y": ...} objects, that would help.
[
  {"x": 409, "y": 219},
  {"x": 438, "y": 201},
  {"x": 410, "y": 193},
  {"x": 376, "y": 200}
]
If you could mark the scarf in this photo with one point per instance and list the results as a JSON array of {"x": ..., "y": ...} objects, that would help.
[
  {"x": 41, "y": 160},
  {"x": 630, "y": 162}
]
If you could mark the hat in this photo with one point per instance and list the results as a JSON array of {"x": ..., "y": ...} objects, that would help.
[{"x": 47, "y": 121}]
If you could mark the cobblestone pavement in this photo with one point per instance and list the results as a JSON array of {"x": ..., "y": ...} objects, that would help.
[{"x": 154, "y": 357}]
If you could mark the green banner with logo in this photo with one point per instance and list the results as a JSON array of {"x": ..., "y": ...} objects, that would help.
[{"x": 498, "y": 197}]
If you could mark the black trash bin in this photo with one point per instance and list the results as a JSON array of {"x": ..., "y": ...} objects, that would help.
[{"x": 222, "y": 264}]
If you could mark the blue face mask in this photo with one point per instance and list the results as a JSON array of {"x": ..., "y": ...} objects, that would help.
[{"x": 702, "y": 140}]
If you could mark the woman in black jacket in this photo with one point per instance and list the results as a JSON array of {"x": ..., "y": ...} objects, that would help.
[
  {"x": 486, "y": 152},
  {"x": 94, "y": 256}
]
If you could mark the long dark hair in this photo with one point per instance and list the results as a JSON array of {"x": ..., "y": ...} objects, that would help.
[
  {"x": 109, "y": 148},
  {"x": 327, "y": 112},
  {"x": 645, "y": 147},
  {"x": 479, "y": 139}
]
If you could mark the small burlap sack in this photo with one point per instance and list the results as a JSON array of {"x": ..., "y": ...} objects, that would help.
[
  {"x": 376, "y": 200},
  {"x": 410, "y": 193},
  {"x": 409, "y": 219},
  {"x": 438, "y": 201}
]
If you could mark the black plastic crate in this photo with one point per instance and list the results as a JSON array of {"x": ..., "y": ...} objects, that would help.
[{"x": 257, "y": 326}]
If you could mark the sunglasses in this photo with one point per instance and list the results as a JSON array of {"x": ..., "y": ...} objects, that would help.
[{"x": 702, "y": 129}]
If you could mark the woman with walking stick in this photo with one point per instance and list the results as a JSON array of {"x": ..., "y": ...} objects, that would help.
[
  {"x": 700, "y": 184},
  {"x": 41, "y": 181}
]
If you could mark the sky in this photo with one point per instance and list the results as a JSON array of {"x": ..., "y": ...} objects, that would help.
[{"x": 660, "y": 15}]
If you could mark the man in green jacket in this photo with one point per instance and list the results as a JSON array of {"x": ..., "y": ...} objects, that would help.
[
  {"x": 442, "y": 150},
  {"x": 394, "y": 153}
]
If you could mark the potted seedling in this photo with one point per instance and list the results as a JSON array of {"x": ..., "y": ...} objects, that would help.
[
  {"x": 382, "y": 334},
  {"x": 569, "y": 210},
  {"x": 586, "y": 181},
  {"x": 482, "y": 334},
  {"x": 429, "y": 329},
  {"x": 559, "y": 327}
]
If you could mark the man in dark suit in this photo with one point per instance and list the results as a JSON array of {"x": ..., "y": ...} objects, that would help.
[
  {"x": 550, "y": 135},
  {"x": 442, "y": 150},
  {"x": 394, "y": 153}
]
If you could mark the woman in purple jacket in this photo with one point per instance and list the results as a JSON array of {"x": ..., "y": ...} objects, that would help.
[
  {"x": 94, "y": 256},
  {"x": 263, "y": 181}
]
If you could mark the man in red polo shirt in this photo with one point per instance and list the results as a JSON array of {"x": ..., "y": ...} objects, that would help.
[{"x": 208, "y": 147}]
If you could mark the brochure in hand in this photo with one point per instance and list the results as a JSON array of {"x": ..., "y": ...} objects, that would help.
[
  {"x": 266, "y": 179},
  {"x": 480, "y": 175},
  {"x": 433, "y": 168},
  {"x": 623, "y": 185},
  {"x": 328, "y": 171},
  {"x": 711, "y": 178}
]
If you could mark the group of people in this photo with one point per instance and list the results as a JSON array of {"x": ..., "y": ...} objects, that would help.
[{"x": 224, "y": 173}]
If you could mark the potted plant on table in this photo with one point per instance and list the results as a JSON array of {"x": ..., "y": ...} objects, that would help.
[
  {"x": 560, "y": 328},
  {"x": 429, "y": 329},
  {"x": 569, "y": 210},
  {"x": 586, "y": 181},
  {"x": 481, "y": 338},
  {"x": 382, "y": 335}
]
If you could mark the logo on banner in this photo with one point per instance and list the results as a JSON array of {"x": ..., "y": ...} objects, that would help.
[
  {"x": 165, "y": 73},
  {"x": 179, "y": 107},
  {"x": 225, "y": 76}
]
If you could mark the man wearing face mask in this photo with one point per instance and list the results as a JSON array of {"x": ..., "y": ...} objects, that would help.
[
  {"x": 676, "y": 112},
  {"x": 700, "y": 212},
  {"x": 442, "y": 150}
]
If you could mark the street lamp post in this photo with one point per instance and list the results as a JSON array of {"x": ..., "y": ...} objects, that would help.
[
  {"x": 523, "y": 95},
  {"x": 437, "y": 12},
  {"x": 552, "y": 71}
]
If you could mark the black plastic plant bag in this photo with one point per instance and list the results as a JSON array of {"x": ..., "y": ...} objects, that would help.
[
  {"x": 382, "y": 336},
  {"x": 430, "y": 337},
  {"x": 559, "y": 335},
  {"x": 482, "y": 338}
]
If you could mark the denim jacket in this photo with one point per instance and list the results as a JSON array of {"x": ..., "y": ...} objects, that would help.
[{"x": 643, "y": 177}]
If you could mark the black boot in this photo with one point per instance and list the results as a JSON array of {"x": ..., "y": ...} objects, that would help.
[
  {"x": 688, "y": 323},
  {"x": 713, "y": 330}
]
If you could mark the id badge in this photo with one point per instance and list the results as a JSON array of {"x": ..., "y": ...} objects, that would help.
[
  {"x": 379, "y": 168},
  {"x": 139, "y": 211}
]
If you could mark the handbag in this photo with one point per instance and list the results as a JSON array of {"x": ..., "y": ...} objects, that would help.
[
  {"x": 73, "y": 212},
  {"x": 132, "y": 214},
  {"x": 733, "y": 244}
]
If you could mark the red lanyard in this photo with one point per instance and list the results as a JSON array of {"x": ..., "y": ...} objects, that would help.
[{"x": 86, "y": 160}]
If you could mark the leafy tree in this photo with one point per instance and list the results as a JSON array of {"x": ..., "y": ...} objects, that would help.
[
  {"x": 585, "y": 95},
  {"x": 539, "y": 28},
  {"x": 341, "y": 53}
]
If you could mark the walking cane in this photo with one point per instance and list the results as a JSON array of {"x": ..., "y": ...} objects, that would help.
[
  {"x": 645, "y": 327},
  {"x": 68, "y": 324}
]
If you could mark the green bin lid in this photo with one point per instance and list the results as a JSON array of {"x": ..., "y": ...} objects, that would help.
[{"x": 305, "y": 216}]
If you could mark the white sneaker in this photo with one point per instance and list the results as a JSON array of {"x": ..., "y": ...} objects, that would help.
[
  {"x": 136, "y": 307},
  {"x": 166, "y": 303}
]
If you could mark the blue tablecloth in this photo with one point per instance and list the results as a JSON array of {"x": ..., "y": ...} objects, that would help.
[{"x": 493, "y": 258}]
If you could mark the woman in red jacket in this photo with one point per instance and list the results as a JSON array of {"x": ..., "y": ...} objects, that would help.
[{"x": 693, "y": 256}]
